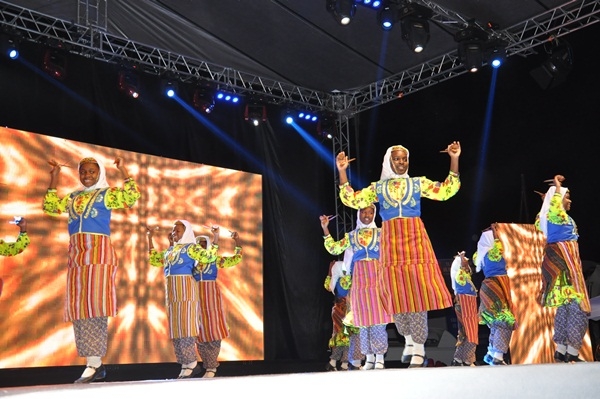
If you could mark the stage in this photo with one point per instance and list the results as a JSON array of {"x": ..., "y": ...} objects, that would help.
[{"x": 576, "y": 380}]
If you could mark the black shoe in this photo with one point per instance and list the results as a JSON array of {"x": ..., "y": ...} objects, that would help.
[
  {"x": 353, "y": 367},
  {"x": 329, "y": 367},
  {"x": 195, "y": 371},
  {"x": 559, "y": 357},
  {"x": 573, "y": 358},
  {"x": 498, "y": 362},
  {"x": 99, "y": 374},
  {"x": 458, "y": 363},
  {"x": 406, "y": 358}
]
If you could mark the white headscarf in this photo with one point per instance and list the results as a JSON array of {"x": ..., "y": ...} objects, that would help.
[
  {"x": 337, "y": 272},
  {"x": 486, "y": 242},
  {"x": 386, "y": 171},
  {"x": 188, "y": 235},
  {"x": 349, "y": 253},
  {"x": 207, "y": 238},
  {"x": 101, "y": 183},
  {"x": 454, "y": 269},
  {"x": 546, "y": 207}
]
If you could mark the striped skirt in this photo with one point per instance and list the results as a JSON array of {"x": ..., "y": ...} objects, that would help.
[
  {"x": 495, "y": 301},
  {"x": 365, "y": 300},
  {"x": 466, "y": 311},
  {"x": 91, "y": 274},
  {"x": 562, "y": 270},
  {"x": 213, "y": 322},
  {"x": 411, "y": 279},
  {"x": 183, "y": 306}
]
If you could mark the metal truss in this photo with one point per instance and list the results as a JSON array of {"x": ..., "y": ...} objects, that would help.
[
  {"x": 522, "y": 38},
  {"x": 89, "y": 38},
  {"x": 345, "y": 217}
]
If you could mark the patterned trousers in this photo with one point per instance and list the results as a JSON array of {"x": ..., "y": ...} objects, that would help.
[
  {"x": 374, "y": 339},
  {"x": 185, "y": 349},
  {"x": 500, "y": 334},
  {"x": 413, "y": 324},
  {"x": 209, "y": 353},
  {"x": 91, "y": 336},
  {"x": 570, "y": 325}
]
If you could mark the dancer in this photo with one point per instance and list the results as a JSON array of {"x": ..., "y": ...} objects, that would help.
[
  {"x": 361, "y": 254},
  {"x": 182, "y": 293},
  {"x": 22, "y": 241},
  {"x": 92, "y": 261},
  {"x": 411, "y": 282},
  {"x": 563, "y": 285},
  {"x": 495, "y": 308},
  {"x": 213, "y": 321},
  {"x": 338, "y": 282},
  {"x": 465, "y": 307}
]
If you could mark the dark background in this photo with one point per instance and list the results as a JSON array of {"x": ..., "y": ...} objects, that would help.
[{"x": 533, "y": 135}]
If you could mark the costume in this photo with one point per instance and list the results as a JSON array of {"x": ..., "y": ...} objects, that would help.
[
  {"x": 213, "y": 322},
  {"x": 563, "y": 284},
  {"x": 183, "y": 294},
  {"x": 411, "y": 282},
  {"x": 92, "y": 262},
  {"x": 361, "y": 254},
  {"x": 495, "y": 309},
  {"x": 14, "y": 248},
  {"x": 465, "y": 307}
]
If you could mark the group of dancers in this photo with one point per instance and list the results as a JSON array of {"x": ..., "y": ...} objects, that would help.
[{"x": 391, "y": 273}]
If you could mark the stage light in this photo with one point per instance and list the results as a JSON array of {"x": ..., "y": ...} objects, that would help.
[
  {"x": 288, "y": 116},
  {"x": 169, "y": 87},
  {"x": 555, "y": 69},
  {"x": 55, "y": 63},
  {"x": 204, "y": 99},
  {"x": 387, "y": 15},
  {"x": 9, "y": 46},
  {"x": 129, "y": 83},
  {"x": 414, "y": 22},
  {"x": 496, "y": 54},
  {"x": 327, "y": 126},
  {"x": 255, "y": 113},
  {"x": 342, "y": 10},
  {"x": 307, "y": 116},
  {"x": 472, "y": 43},
  {"x": 369, "y": 3},
  {"x": 228, "y": 97}
]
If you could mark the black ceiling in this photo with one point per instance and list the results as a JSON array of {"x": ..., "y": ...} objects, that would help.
[{"x": 295, "y": 41}]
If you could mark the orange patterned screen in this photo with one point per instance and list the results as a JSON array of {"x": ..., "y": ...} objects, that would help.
[
  {"x": 532, "y": 341},
  {"x": 32, "y": 330}
]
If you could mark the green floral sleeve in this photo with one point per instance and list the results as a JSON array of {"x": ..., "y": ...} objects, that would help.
[
  {"x": 119, "y": 198},
  {"x": 230, "y": 261},
  {"x": 497, "y": 251},
  {"x": 157, "y": 258},
  {"x": 202, "y": 255},
  {"x": 556, "y": 213},
  {"x": 14, "y": 248},
  {"x": 336, "y": 247},
  {"x": 440, "y": 191},
  {"x": 357, "y": 199},
  {"x": 53, "y": 205}
]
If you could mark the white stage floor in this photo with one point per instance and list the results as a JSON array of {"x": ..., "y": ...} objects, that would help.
[{"x": 578, "y": 380}]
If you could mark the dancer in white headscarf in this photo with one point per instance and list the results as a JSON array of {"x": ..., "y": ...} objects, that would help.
[
  {"x": 563, "y": 284},
  {"x": 182, "y": 291},
  {"x": 495, "y": 308},
  {"x": 411, "y": 279},
  {"x": 92, "y": 262},
  {"x": 366, "y": 309}
]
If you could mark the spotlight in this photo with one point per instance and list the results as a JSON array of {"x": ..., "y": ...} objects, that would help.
[
  {"x": 228, "y": 97},
  {"x": 414, "y": 22},
  {"x": 129, "y": 83},
  {"x": 255, "y": 113},
  {"x": 169, "y": 87},
  {"x": 327, "y": 127},
  {"x": 307, "y": 116},
  {"x": 9, "y": 46},
  {"x": 288, "y": 116},
  {"x": 471, "y": 47},
  {"x": 387, "y": 15},
  {"x": 204, "y": 99},
  {"x": 342, "y": 10},
  {"x": 55, "y": 63},
  {"x": 555, "y": 69},
  {"x": 496, "y": 54}
]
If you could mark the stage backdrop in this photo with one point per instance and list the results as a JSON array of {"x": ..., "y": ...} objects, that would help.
[
  {"x": 33, "y": 332},
  {"x": 532, "y": 340}
]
